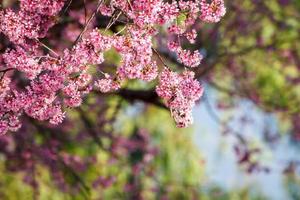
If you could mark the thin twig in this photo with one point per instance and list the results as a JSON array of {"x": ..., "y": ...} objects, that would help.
[
  {"x": 159, "y": 56},
  {"x": 121, "y": 30},
  {"x": 48, "y": 48},
  {"x": 69, "y": 4},
  {"x": 88, "y": 22},
  {"x": 113, "y": 20},
  {"x": 4, "y": 72}
]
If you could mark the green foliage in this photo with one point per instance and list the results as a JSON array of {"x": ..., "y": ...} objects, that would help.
[{"x": 257, "y": 59}]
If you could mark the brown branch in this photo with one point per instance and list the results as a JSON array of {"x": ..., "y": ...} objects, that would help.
[
  {"x": 4, "y": 72},
  {"x": 148, "y": 96}
]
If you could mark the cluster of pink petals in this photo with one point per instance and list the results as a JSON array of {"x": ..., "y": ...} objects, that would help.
[
  {"x": 180, "y": 92},
  {"x": 42, "y": 7},
  {"x": 191, "y": 36},
  {"x": 19, "y": 26},
  {"x": 107, "y": 84},
  {"x": 53, "y": 83},
  {"x": 145, "y": 11},
  {"x": 19, "y": 59},
  {"x": 4, "y": 86},
  {"x": 32, "y": 21},
  {"x": 186, "y": 57},
  {"x": 136, "y": 52},
  {"x": 213, "y": 11}
]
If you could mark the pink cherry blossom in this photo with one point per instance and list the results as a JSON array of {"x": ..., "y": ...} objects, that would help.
[
  {"x": 47, "y": 82},
  {"x": 212, "y": 12},
  {"x": 180, "y": 92}
]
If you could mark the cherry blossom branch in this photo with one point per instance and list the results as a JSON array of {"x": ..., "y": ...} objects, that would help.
[
  {"x": 148, "y": 96},
  {"x": 135, "y": 48}
]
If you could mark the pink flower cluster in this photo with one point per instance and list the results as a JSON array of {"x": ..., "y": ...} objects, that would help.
[
  {"x": 48, "y": 84},
  {"x": 186, "y": 57},
  {"x": 180, "y": 91},
  {"x": 42, "y": 7},
  {"x": 32, "y": 21},
  {"x": 19, "y": 59},
  {"x": 212, "y": 12}
]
